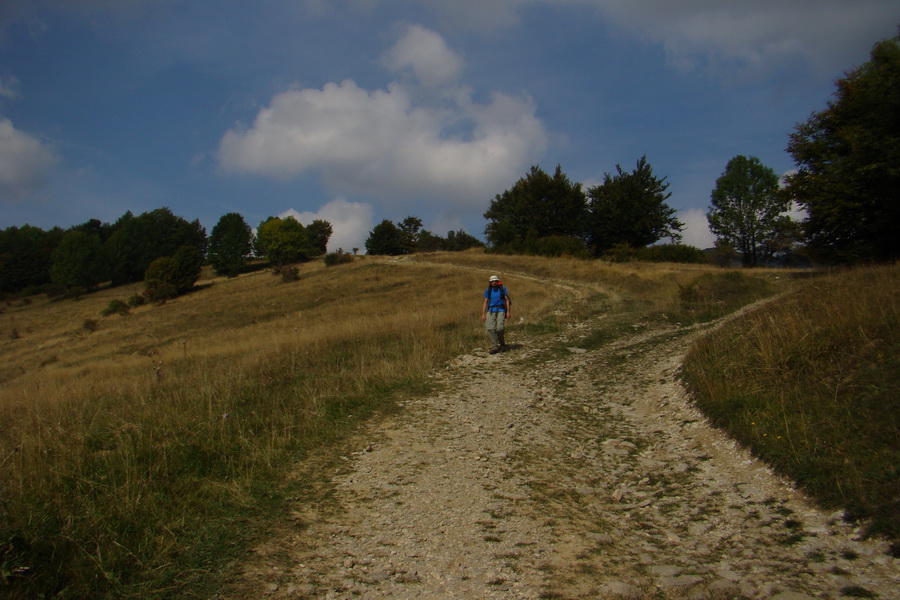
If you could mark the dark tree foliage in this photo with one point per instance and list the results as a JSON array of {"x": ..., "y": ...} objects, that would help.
[
  {"x": 387, "y": 239},
  {"x": 411, "y": 229},
  {"x": 748, "y": 209},
  {"x": 26, "y": 254},
  {"x": 630, "y": 208},
  {"x": 537, "y": 206},
  {"x": 319, "y": 232},
  {"x": 456, "y": 241},
  {"x": 230, "y": 244},
  {"x": 138, "y": 241},
  {"x": 848, "y": 164},
  {"x": 79, "y": 261},
  {"x": 283, "y": 241},
  {"x": 169, "y": 276}
]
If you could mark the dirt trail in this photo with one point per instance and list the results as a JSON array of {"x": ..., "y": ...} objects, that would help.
[{"x": 551, "y": 471}]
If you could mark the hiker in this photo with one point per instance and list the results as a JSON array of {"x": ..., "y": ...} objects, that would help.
[{"x": 494, "y": 313}]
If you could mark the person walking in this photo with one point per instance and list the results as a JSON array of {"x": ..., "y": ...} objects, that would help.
[{"x": 495, "y": 312}]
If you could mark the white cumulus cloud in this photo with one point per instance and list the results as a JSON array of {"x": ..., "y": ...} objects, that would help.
[
  {"x": 391, "y": 144},
  {"x": 350, "y": 221},
  {"x": 427, "y": 55},
  {"x": 24, "y": 162},
  {"x": 696, "y": 229}
]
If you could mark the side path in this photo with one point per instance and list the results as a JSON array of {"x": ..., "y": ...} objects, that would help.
[{"x": 564, "y": 473}]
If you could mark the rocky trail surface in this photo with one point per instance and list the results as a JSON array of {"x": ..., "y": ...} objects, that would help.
[{"x": 555, "y": 472}]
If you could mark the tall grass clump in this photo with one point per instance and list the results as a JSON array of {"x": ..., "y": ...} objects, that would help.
[
  {"x": 811, "y": 383},
  {"x": 136, "y": 459}
]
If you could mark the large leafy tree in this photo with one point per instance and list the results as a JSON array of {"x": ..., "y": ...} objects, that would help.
[
  {"x": 748, "y": 209},
  {"x": 26, "y": 254},
  {"x": 536, "y": 206},
  {"x": 283, "y": 241},
  {"x": 387, "y": 239},
  {"x": 630, "y": 208},
  {"x": 319, "y": 233},
  {"x": 230, "y": 244},
  {"x": 79, "y": 261},
  {"x": 848, "y": 164},
  {"x": 138, "y": 241}
]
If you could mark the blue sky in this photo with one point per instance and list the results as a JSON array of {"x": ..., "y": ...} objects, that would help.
[{"x": 356, "y": 111}]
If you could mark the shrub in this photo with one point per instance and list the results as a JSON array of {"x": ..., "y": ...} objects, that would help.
[
  {"x": 137, "y": 300},
  {"x": 289, "y": 273},
  {"x": 338, "y": 258},
  {"x": 116, "y": 307},
  {"x": 560, "y": 245},
  {"x": 91, "y": 324}
]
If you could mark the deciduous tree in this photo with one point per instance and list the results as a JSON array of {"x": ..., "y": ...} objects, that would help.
[
  {"x": 748, "y": 210},
  {"x": 230, "y": 244},
  {"x": 386, "y": 239},
  {"x": 283, "y": 241},
  {"x": 319, "y": 232},
  {"x": 848, "y": 164},
  {"x": 79, "y": 261}
]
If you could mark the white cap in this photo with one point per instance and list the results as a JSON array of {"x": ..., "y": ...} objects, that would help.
[{"x": 494, "y": 278}]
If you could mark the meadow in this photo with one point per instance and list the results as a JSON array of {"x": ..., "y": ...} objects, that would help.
[{"x": 141, "y": 452}]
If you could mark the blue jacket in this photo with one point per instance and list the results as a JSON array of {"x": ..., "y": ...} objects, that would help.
[{"x": 496, "y": 298}]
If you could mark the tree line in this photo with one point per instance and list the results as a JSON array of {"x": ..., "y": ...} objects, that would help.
[
  {"x": 158, "y": 247},
  {"x": 846, "y": 180}
]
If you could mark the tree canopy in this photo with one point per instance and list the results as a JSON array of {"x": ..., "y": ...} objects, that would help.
[
  {"x": 319, "y": 232},
  {"x": 748, "y": 210},
  {"x": 138, "y": 241},
  {"x": 230, "y": 244},
  {"x": 536, "y": 206},
  {"x": 848, "y": 164},
  {"x": 79, "y": 261},
  {"x": 387, "y": 239},
  {"x": 630, "y": 209},
  {"x": 283, "y": 241}
]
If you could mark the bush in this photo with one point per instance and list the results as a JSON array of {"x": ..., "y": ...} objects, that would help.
[
  {"x": 137, "y": 300},
  {"x": 560, "y": 245},
  {"x": 678, "y": 253},
  {"x": 338, "y": 258},
  {"x": 289, "y": 273},
  {"x": 116, "y": 307}
]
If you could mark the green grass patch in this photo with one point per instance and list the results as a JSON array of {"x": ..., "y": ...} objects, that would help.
[
  {"x": 714, "y": 295},
  {"x": 811, "y": 384}
]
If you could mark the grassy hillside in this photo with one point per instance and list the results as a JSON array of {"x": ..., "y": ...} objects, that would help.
[
  {"x": 812, "y": 384},
  {"x": 139, "y": 453}
]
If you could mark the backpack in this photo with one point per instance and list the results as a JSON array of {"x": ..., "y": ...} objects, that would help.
[{"x": 503, "y": 292}]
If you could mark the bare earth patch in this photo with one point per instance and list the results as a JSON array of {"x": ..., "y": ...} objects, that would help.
[{"x": 551, "y": 471}]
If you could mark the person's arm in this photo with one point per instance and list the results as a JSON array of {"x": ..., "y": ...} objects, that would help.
[
  {"x": 506, "y": 300},
  {"x": 484, "y": 308}
]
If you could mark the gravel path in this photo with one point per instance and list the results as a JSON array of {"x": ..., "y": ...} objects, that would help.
[{"x": 553, "y": 472}]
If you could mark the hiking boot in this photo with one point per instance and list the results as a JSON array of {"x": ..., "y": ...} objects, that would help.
[{"x": 495, "y": 350}]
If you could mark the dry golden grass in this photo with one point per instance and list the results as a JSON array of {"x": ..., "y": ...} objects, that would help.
[
  {"x": 127, "y": 441},
  {"x": 116, "y": 438}
]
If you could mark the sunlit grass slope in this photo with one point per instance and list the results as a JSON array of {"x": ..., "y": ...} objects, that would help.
[
  {"x": 812, "y": 384},
  {"x": 125, "y": 441},
  {"x": 139, "y": 453}
]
